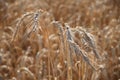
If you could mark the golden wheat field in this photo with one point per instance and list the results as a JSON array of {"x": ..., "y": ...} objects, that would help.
[{"x": 59, "y": 39}]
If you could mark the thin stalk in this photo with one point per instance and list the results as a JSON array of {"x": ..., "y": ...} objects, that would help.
[
  {"x": 68, "y": 51},
  {"x": 69, "y": 67}
]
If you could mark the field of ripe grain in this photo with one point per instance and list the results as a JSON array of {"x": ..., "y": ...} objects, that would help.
[{"x": 59, "y": 40}]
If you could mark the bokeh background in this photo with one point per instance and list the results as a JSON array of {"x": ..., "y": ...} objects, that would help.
[{"x": 38, "y": 57}]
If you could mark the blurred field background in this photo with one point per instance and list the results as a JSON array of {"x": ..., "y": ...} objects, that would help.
[{"x": 35, "y": 43}]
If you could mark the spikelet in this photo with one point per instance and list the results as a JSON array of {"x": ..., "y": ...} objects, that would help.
[
  {"x": 88, "y": 38},
  {"x": 33, "y": 24},
  {"x": 80, "y": 52}
]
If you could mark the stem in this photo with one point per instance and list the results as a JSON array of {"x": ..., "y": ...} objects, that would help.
[{"x": 69, "y": 67}]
